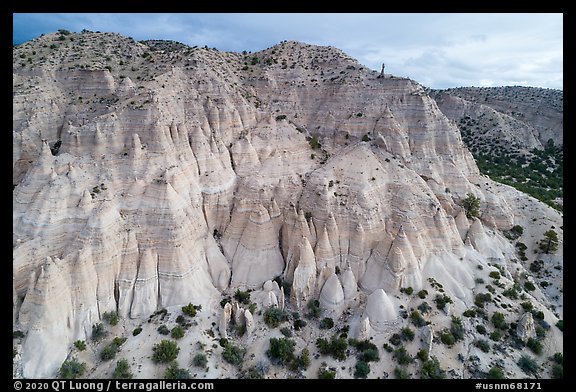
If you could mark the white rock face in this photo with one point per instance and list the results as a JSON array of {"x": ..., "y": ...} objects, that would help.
[
  {"x": 380, "y": 310},
  {"x": 167, "y": 183},
  {"x": 525, "y": 328}
]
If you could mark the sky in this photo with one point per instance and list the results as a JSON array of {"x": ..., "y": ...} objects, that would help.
[{"x": 437, "y": 50}]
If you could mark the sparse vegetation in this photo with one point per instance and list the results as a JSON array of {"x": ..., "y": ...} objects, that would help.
[
  {"x": 337, "y": 347},
  {"x": 326, "y": 323},
  {"x": 177, "y": 332},
  {"x": 98, "y": 332},
  {"x": 191, "y": 310},
  {"x": 527, "y": 364},
  {"x": 122, "y": 370},
  {"x": 361, "y": 369},
  {"x": 200, "y": 360},
  {"x": 495, "y": 373},
  {"x": 281, "y": 350},
  {"x": 471, "y": 204},
  {"x": 313, "y": 309},
  {"x": 137, "y": 331},
  {"x": 431, "y": 369},
  {"x": 273, "y": 316},
  {"x": 165, "y": 352},
  {"x": 417, "y": 319},
  {"x": 442, "y": 300},
  {"x": 80, "y": 345},
  {"x": 242, "y": 296},
  {"x": 71, "y": 369},
  {"x": 233, "y": 354},
  {"x": 175, "y": 372}
]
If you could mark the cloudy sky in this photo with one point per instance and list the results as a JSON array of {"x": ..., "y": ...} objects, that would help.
[{"x": 436, "y": 50}]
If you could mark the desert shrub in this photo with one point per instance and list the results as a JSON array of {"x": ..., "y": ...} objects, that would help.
[
  {"x": 496, "y": 335},
  {"x": 494, "y": 275},
  {"x": 165, "y": 352},
  {"x": 527, "y": 306},
  {"x": 401, "y": 373},
  {"x": 98, "y": 332},
  {"x": 529, "y": 286},
  {"x": 299, "y": 324},
  {"x": 481, "y": 299},
  {"x": 557, "y": 371},
  {"x": 233, "y": 354},
  {"x": 17, "y": 334},
  {"x": 174, "y": 372},
  {"x": 163, "y": 330},
  {"x": 80, "y": 345},
  {"x": 177, "y": 332},
  {"x": 457, "y": 329},
  {"x": 495, "y": 373},
  {"x": 326, "y": 323},
  {"x": 407, "y": 290},
  {"x": 369, "y": 355},
  {"x": 242, "y": 296},
  {"x": 469, "y": 313},
  {"x": 301, "y": 362},
  {"x": 71, "y": 369},
  {"x": 422, "y": 355},
  {"x": 191, "y": 310},
  {"x": 407, "y": 334},
  {"x": 361, "y": 369},
  {"x": 483, "y": 345},
  {"x": 422, "y": 294},
  {"x": 481, "y": 329},
  {"x": 366, "y": 138},
  {"x": 534, "y": 345},
  {"x": 109, "y": 351},
  {"x": 527, "y": 364},
  {"x": 560, "y": 325},
  {"x": 313, "y": 309},
  {"x": 281, "y": 350},
  {"x": 274, "y": 316},
  {"x": 137, "y": 331},
  {"x": 286, "y": 332},
  {"x": 442, "y": 300},
  {"x": 558, "y": 358},
  {"x": 431, "y": 370},
  {"x": 111, "y": 317},
  {"x": 336, "y": 347},
  {"x": 200, "y": 360},
  {"x": 471, "y": 205},
  {"x": 326, "y": 374},
  {"x": 395, "y": 339},
  {"x": 122, "y": 370},
  {"x": 447, "y": 338},
  {"x": 499, "y": 321},
  {"x": 402, "y": 356},
  {"x": 417, "y": 319}
]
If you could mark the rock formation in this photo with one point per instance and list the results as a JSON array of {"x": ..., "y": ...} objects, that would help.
[{"x": 163, "y": 177}]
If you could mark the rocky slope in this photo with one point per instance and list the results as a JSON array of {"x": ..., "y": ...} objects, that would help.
[{"x": 150, "y": 175}]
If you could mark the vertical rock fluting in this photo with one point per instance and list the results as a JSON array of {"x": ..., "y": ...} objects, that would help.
[{"x": 304, "y": 282}]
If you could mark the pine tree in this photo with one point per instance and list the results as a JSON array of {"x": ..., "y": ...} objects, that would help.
[{"x": 549, "y": 244}]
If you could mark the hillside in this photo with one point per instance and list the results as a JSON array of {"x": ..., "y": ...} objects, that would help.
[{"x": 287, "y": 213}]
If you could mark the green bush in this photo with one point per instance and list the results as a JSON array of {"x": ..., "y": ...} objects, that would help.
[
  {"x": 366, "y": 138},
  {"x": 407, "y": 290},
  {"x": 527, "y": 364},
  {"x": 557, "y": 371},
  {"x": 191, "y": 310},
  {"x": 483, "y": 345},
  {"x": 494, "y": 275},
  {"x": 111, "y": 317},
  {"x": 431, "y": 370},
  {"x": 499, "y": 321},
  {"x": 361, "y": 369},
  {"x": 137, "y": 331},
  {"x": 326, "y": 323},
  {"x": 233, "y": 354},
  {"x": 481, "y": 299},
  {"x": 337, "y": 347},
  {"x": 529, "y": 286},
  {"x": 165, "y": 352},
  {"x": 549, "y": 244},
  {"x": 286, "y": 332},
  {"x": 369, "y": 355},
  {"x": 527, "y": 306},
  {"x": 80, "y": 345},
  {"x": 447, "y": 338},
  {"x": 402, "y": 356},
  {"x": 422, "y": 294},
  {"x": 558, "y": 358},
  {"x": 560, "y": 325},
  {"x": 471, "y": 205},
  {"x": 177, "y": 332},
  {"x": 71, "y": 369},
  {"x": 395, "y": 339},
  {"x": 407, "y": 334},
  {"x": 163, "y": 330},
  {"x": 326, "y": 374},
  {"x": 200, "y": 360},
  {"x": 496, "y": 335},
  {"x": 281, "y": 350},
  {"x": 442, "y": 300},
  {"x": 98, "y": 332},
  {"x": 422, "y": 355},
  {"x": 313, "y": 308},
  {"x": 481, "y": 329},
  {"x": 469, "y": 313},
  {"x": 299, "y": 324},
  {"x": 457, "y": 329},
  {"x": 401, "y": 373},
  {"x": 174, "y": 372},
  {"x": 273, "y": 316},
  {"x": 534, "y": 345},
  {"x": 122, "y": 370},
  {"x": 417, "y": 319},
  {"x": 301, "y": 362},
  {"x": 495, "y": 373},
  {"x": 242, "y": 296},
  {"x": 17, "y": 334}
]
